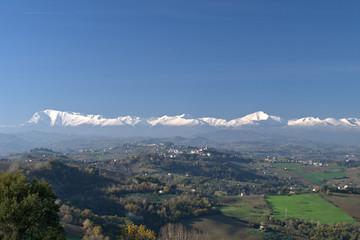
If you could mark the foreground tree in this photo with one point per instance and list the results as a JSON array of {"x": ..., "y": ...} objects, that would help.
[{"x": 28, "y": 209}]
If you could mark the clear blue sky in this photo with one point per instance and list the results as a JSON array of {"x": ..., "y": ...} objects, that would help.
[{"x": 205, "y": 58}]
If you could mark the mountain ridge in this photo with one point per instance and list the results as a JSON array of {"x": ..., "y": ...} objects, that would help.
[{"x": 74, "y": 119}]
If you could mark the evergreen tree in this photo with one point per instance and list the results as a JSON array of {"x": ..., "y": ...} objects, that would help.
[{"x": 28, "y": 208}]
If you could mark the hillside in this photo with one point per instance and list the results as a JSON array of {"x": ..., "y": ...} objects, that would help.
[{"x": 154, "y": 183}]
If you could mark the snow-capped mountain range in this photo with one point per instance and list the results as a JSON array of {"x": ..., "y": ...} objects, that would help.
[{"x": 55, "y": 118}]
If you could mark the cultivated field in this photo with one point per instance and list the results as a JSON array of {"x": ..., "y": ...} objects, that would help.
[
  {"x": 314, "y": 174},
  {"x": 353, "y": 178},
  {"x": 220, "y": 227},
  {"x": 309, "y": 207},
  {"x": 350, "y": 203},
  {"x": 246, "y": 208}
]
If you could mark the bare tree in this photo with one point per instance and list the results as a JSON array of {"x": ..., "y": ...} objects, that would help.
[{"x": 180, "y": 232}]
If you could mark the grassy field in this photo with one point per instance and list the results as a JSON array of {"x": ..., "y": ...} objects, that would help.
[
  {"x": 319, "y": 177},
  {"x": 220, "y": 227},
  {"x": 310, "y": 207},
  {"x": 247, "y": 208},
  {"x": 315, "y": 174}
]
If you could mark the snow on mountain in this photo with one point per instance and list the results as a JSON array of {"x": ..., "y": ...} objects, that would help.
[
  {"x": 312, "y": 122},
  {"x": 73, "y": 119},
  {"x": 307, "y": 122},
  {"x": 253, "y": 119},
  {"x": 215, "y": 122},
  {"x": 179, "y": 120},
  {"x": 351, "y": 121},
  {"x": 35, "y": 118}
]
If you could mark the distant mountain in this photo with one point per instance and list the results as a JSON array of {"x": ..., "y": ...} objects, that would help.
[
  {"x": 52, "y": 127},
  {"x": 10, "y": 143},
  {"x": 311, "y": 122},
  {"x": 55, "y": 118},
  {"x": 66, "y": 119},
  {"x": 72, "y": 119}
]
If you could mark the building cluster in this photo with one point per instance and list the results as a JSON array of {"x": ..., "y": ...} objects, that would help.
[
  {"x": 202, "y": 152},
  {"x": 173, "y": 152},
  {"x": 305, "y": 162}
]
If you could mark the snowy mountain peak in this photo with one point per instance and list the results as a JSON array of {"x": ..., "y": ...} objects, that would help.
[
  {"x": 179, "y": 120},
  {"x": 254, "y": 119},
  {"x": 73, "y": 119},
  {"x": 261, "y": 116},
  {"x": 313, "y": 122}
]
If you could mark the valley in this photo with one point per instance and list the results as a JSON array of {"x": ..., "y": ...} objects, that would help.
[{"x": 151, "y": 182}]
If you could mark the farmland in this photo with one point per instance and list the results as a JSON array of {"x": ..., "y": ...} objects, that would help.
[
  {"x": 309, "y": 207},
  {"x": 315, "y": 175},
  {"x": 349, "y": 203},
  {"x": 215, "y": 191},
  {"x": 221, "y": 227},
  {"x": 247, "y": 208}
]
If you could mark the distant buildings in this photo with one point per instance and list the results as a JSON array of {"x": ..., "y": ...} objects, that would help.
[{"x": 201, "y": 152}]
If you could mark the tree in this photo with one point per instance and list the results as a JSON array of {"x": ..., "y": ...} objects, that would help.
[
  {"x": 28, "y": 208},
  {"x": 93, "y": 232},
  {"x": 179, "y": 232},
  {"x": 134, "y": 232}
]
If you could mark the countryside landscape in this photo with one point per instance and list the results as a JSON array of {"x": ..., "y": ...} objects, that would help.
[
  {"x": 110, "y": 184},
  {"x": 179, "y": 120}
]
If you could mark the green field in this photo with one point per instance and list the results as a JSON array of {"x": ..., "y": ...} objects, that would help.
[
  {"x": 308, "y": 207},
  {"x": 319, "y": 177},
  {"x": 247, "y": 208},
  {"x": 315, "y": 177}
]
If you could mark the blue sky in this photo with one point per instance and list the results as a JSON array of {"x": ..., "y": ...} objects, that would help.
[{"x": 205, "y": 58}]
